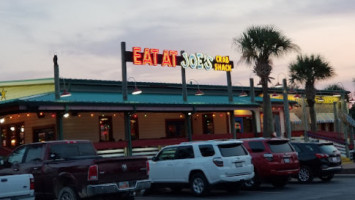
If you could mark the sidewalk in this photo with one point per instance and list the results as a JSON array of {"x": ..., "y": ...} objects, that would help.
[{"x": 348, "y": 168}]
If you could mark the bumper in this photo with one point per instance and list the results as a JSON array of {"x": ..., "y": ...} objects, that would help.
[
  {"x": 111, "y": 188},
  {"x": 237, "y": 177},
  {"x": 332, "y": 169},
  {"x": 288, "y": 172}
]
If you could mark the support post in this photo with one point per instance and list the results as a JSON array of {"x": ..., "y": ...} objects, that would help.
[
  {"x": 286, "y": 109},
  {"x": 56, "y": 78},
  {"x": 305, "y": 123},
  {"x": 336, "y": 121},
  {"x": 183, "y": 82},
  {"x": 232, "y": 122},
  {"x": 252, "y": 90},
  {"x": 188, "y": 125},
  {"x": 124, "y": 72},
  {"x": 59, "y": 122},
  {"x": 345, "y": 128},
  {"x": 127, "y": 128},
  {"x": 229, "y": 85}
]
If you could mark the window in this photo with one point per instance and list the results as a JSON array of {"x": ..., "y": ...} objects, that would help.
[
  {"x": 256, "y": 146},
  {"x": 105, "y": 129},
  {"x": 34, "y": 153},
  {"x": 184, "y": 152},
  {"x": 280, "y": 147},
  {"x": 17, "y": 155},
  {"x": 12, "y": 135},
  {"x": 167, "y": 154},
  {"x": 206, "y": 150},
  {"x": 44, "y": 134},
  {"x": 207, "y": 123},
  {"x": 134, "y": 127},
  {"x": 63, "y": 151},
  {"x": 175, "y": 128},
  {"x": 228, "y": 150}
]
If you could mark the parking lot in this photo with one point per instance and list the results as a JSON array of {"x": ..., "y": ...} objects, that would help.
[{"x": 341, "y": 187}]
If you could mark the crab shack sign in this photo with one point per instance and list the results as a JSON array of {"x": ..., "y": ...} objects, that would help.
[{"x": 170, "y": 58}]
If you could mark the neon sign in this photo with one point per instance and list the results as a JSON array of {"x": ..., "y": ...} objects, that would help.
[
  {"x": 170, "y": 58},
  {"x": 152, "y": 57}
]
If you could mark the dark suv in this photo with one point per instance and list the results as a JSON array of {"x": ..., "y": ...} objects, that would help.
[
  {"x": 274, "y": 159},
  {"x": 317, "y": 160}
]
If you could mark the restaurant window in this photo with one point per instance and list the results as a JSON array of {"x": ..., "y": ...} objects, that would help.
[
  {"x": 134, "y": 127},
  {"x": 42, "y": 134},
  {"x": 105, "y": 123},
  {"x": 207, "y": 123},
  {"x": 175, "y": 128},
  {"x": 12, "y": 135}
]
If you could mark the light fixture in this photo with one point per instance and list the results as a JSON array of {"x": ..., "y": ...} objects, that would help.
[
  {"x": 198, "y": 92},
  {"x": 278, "y": 84},
  {"x": 66, "y": 115},
  {"x": 243, "y": 93},
  {"x": 337, "y": 95},
  {"x": 297, "y": 96},
  {"x": 65, "y": 93},
  {"x": 274, "y": 94},
  {"x": 136, "y": 90},
  {"x": 2, "y": 120},
  {"x": 320, "y": 99}
]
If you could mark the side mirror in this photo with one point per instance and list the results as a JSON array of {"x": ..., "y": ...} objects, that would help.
[{"x": 154, "y": 158}]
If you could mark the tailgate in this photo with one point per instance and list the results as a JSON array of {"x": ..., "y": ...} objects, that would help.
[
  {"x": 284, "y": 157},
  {"x": 15, "y": 185},
  {"x": 121, "y": 169}
]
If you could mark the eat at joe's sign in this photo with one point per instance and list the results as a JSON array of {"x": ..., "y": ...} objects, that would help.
[{"x": 170, "y": 58}]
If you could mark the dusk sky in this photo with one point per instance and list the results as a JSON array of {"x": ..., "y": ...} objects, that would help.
[{"x": 86, "y": 36}]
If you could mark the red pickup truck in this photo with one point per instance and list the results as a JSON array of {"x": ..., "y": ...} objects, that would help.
[{"x": 73, "y": 170}]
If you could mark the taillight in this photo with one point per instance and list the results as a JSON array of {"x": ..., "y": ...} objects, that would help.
[
  {"x": 321, "y": 155},
  {"x": 147, "y": 166},
  {"x": 268, "y": 156},
  {"x": 93, "y": 173},
  {"x": 218, "y": 162},
  {"x": 32, "y": 183}
]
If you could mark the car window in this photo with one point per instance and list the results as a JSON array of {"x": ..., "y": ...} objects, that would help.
[
  {"x": 297, "y": 148},
  {"x": 328, "y": 148},
  {"x": 280, "y": 146},
  {"x": 309, "y": 148},
  {"x": 17, "y": 155},
  {"x": 34, "y": 153},
  {"x": 184, "y": 152},
  {"x": 234, "y": 149},
  {"x": 167, "y": 153},
  {"x": 67, "y": 150},
  {"x": 256, "y": 146},
  {"x": 206, "y": 150}
]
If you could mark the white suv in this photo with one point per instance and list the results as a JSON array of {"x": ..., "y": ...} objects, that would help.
[{"x": 201, "y": 165}]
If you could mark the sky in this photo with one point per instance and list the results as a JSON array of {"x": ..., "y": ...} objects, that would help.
[{"x": 87, "y": 34}]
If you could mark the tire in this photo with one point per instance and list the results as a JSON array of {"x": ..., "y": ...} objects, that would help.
[
  {"x": 280, "y": 182},
  {"x": 305, "y": 175},
  {"x": 199, "y": 184},
  {"x": 326, "y": 177},
  {"x": 67, "y": 193},
  {"x": 253, "y": 183}
]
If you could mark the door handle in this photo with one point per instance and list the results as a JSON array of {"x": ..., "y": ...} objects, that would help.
[
  {"x": 16, "y": 169},
  {"x": 4, "y": 180}
]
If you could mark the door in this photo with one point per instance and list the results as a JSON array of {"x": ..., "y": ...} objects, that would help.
[
  {"x": 184, "y": 159},
  {"x": 161, "y": 166}
]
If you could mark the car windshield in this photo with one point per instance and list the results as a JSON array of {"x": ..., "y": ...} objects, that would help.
[
  {"x": 328, "y": 148},
  {"x": 280, "y": 146},
  {"x": 234, "y": 149}
]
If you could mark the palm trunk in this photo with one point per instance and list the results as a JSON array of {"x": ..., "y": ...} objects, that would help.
[
  {"x": 310, "y": 94},
  {"x": 268, "y": 122}
]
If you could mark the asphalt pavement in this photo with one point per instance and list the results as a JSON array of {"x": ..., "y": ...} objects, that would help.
[{"x": 348, "y": 167}]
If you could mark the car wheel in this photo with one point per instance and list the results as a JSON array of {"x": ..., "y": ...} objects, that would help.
[
  {"x": 67, "y": 193},
  {"x": 253, "y": 183},
  {"x": 280, "y": 182},
  {"x": 199, "y": 184},
  {"x": 305, "y": 175},
  {"x": 326, "y": 177}
]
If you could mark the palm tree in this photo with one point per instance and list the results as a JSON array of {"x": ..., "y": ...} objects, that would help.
[
  {"x": 257, "y": 45},
  {"x": 308, "y": 70}
]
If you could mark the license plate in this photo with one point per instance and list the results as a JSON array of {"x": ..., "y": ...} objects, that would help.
[
  {"x": 123, "y": 185},
  {"x": 286, "y": 160},
  {"x": 239, "y": 164}
]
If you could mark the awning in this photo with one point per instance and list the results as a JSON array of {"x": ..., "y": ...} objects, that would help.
[
  {"x": 325, "y": 117},
  {"x": 294, "y": 119}
]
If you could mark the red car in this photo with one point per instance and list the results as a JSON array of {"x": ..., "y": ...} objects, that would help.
[{"x": 274, "y": 159}]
